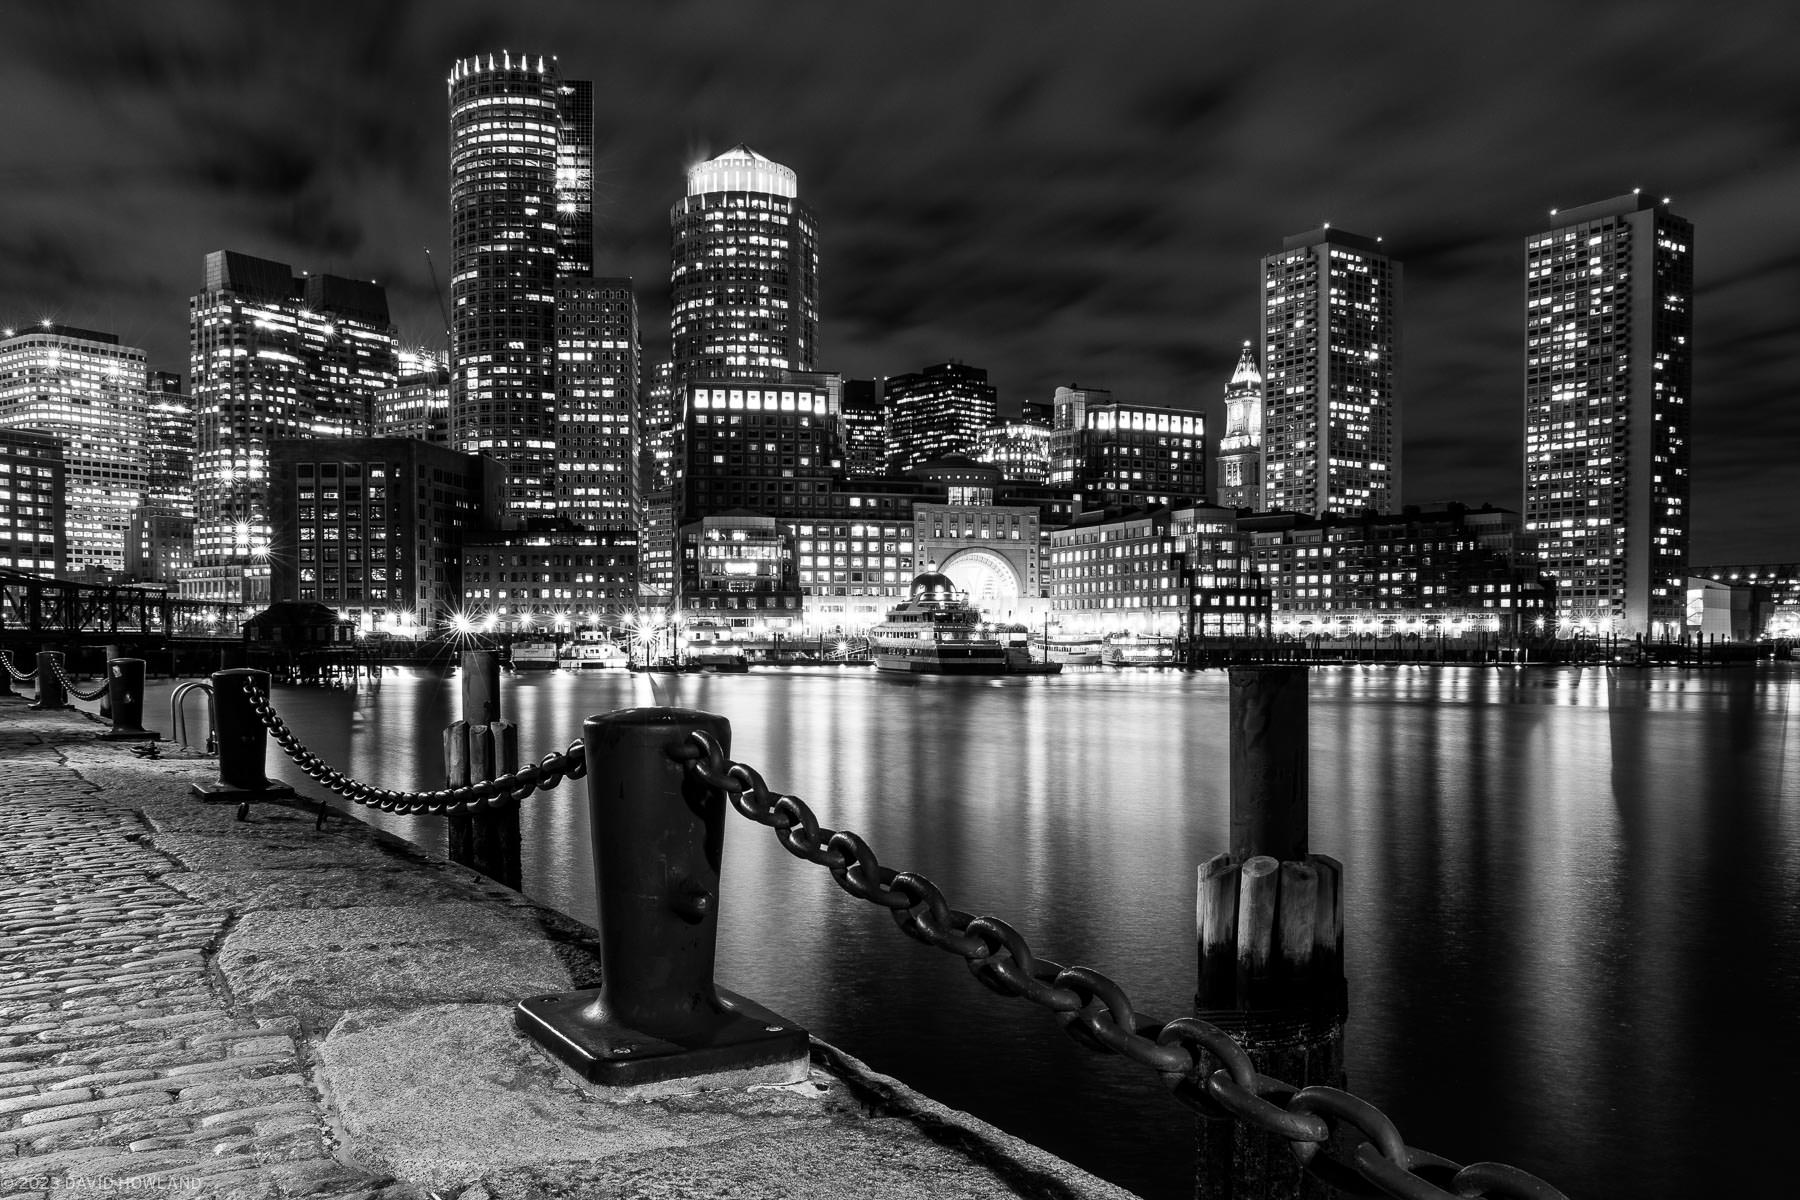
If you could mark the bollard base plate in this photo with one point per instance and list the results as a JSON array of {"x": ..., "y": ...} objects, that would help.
[
  {"x": 131, "y": 735},
  {"x": 745, "y": 1045},
  {"x": 214, "y": 791}
]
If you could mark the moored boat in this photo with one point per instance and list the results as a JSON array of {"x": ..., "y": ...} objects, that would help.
[
  {"x": 533, "y": 656},
  {"x": 1138, "y": 650},
  {"x": 936, "y": 631},
  {"x": 594, "y": 652}
]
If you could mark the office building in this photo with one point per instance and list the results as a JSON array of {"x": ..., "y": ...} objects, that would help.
[
  {"x": 1020, "y": 449},
  {"x": 87, "y": 391},
  {"x": 863, "y": 420},
  {"x": 1115, "y": 454},
  {"x": 597, "y": 352},
  {"x": 32, "y": 500},
  {"x": 1609, "y": 329},
  {"x": 939, "y": 411},
  {"x": 524, "y": 581},
  {"x": 521, "y": 216},
  {"x": 275, "y": 355},
  {"x": 161, "y": 542},
  {"x": 766, "y": 449},
  {"x": 744, "y": 273},
  {"x": 738, "y": 582},
  {"x": 373, "y": 527},
  {"x": 1331, "y": 375},
  {"x": 418, "y": 405},
  {"x": 1240, "y": 445}
]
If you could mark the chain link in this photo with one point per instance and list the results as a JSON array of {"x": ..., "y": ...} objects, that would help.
[
  {"x": 62, "y": 676},
  {"x": 20, "y": 676},
  {"x": 508, "y": 789},
  {"x": 1096, "y": 1011}
]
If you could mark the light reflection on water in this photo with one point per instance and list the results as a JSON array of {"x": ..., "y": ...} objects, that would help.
[{"x": 1572, "y": 895}]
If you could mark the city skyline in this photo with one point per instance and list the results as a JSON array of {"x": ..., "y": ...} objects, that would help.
[{"x": 1077, "y": 200}]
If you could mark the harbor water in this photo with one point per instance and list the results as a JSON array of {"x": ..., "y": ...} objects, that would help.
[{"x": 1572, "y": 895}]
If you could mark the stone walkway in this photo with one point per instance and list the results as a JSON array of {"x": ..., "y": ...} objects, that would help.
[{"x": 195, "y": 1006}]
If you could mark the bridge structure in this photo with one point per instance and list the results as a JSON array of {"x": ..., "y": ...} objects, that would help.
[{"x": 34, "y": 608}]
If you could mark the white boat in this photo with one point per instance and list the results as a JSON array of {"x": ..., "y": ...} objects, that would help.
[
  {"x": 591, "y": 652},
  {"x": 1138, "y": 650},
  {"x": 936, "y": 631},
  {"x": 1069, "y": 649},
  {"x": 534, "y": 656}
]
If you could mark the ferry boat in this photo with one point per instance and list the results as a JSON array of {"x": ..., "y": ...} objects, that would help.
[
  {"x": 1138, "y": 650},
  {"x": 534, "y": 656},
  {"x": 594, "y": 652},
  {"x": 936, "y": 631},
  {"x": 1069, "y": 649}
]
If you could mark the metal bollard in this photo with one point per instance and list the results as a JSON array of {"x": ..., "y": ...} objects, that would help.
[
  {"x": 658, "y": 1018},
  {"x": 50, "y": 691},
  {"x": 243, "y": 742},
  {"x": 125, "y": 701}
]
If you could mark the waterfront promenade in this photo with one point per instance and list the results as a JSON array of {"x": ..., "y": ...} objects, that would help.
[{"x": 195, "y": 1006}]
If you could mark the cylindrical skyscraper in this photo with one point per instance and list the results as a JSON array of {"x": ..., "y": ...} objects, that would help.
[
  {"x": 744, "y": 273},
  {"x": 515, "y": 226}
]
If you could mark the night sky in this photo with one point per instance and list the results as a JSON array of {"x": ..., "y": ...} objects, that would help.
[{"x": 1058, "y": 192}]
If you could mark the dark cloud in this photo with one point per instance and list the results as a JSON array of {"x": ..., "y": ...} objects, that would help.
[{"x": 1056, "y": 192}]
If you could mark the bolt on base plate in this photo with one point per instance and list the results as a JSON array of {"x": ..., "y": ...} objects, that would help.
[{"x": 746, "y": 1041}]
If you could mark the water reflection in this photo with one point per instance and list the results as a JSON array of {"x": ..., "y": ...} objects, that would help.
[{"x": 1571, "y": 895}]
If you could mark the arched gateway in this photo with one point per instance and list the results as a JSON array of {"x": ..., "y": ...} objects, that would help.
[{"x": 992, "y": 583}]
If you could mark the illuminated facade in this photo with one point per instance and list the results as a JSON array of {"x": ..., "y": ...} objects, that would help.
[
  {"x": 1331, "y": 375},
  {"x": 1775, "y": 588},
  {"x": 1021, "y": 450},
  {"x": 1240, "y": 446},
  {"x": 1133, "y": 455},
  {"x": 989, "y": 551},
  {"x": 521, "y": 216},
  {"x": 738, "y": 580},
  {"x": 1164, "y": 572},
  {"x": 274, "y": 355},
  {"x": 374, "y": 527},
  {"x": 524, "y": 581},
  {"x": 597, "y": 485},
  {"x": 161, "y": 544},
  {"x": 1609, "y": 328},
  {"x": 939, "y": 411},
  {"x": 765, "y": 449},
  {"x": 418, "y": 405},
  {"x": 32, "y": 500},
  {"x": 744, "y": 272},
  {"x": 863, "y": 419},
  {"x": 87, "y": 391}
]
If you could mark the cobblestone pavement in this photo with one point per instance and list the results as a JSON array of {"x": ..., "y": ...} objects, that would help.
[{"x": 122, "y": 1068}]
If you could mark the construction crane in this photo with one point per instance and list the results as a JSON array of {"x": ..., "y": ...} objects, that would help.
[{"x": 443, "y": 309}]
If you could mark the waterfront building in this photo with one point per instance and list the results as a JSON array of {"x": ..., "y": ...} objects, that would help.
[
  {"x": 597, "y": 351},
  {"x": 854, "y": 564},
  {"x": 275, "y": 356},
  {"x": 535, "y": 580},
  {"x": 1609, "y": 328},
  {"x": 1240, "y": 446},
  {"x": 1021, "y": 449},
  {"x": 88, "y": 391},
  {"x": 1451, "y": 568},
  {"x": 990, "y": 551},
  {"x": 863, "y": 418},
  {"x": 1166, "y": 572},
  {"x": 936, "y": 412},
  {"x": 1114, "y": 454},
  {"x": 1720, "y": 611},
  {"x": 739, "y": 582},
  {"x": 1331, "y": 375},
  {"x": 418, "y": 405},
  {"x": 758, "y": 447},
  {"x": 373, "y": 527},
  {"x": 1775, "y": 588},
  {"x": 521, "y": 216},
  {"x": 32, "y": 501},
  {"x": 744, "y": 273}
]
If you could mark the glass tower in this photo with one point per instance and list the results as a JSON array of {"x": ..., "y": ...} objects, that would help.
[
  {"x": 1609, "y": 328},
  {"x": 1331, "y": 370},
  {"x": 521, "y": 217}
]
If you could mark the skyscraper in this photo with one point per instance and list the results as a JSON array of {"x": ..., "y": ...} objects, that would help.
[
  {"x": 1609, "y": 327},
  {"x": 1240, "y": 446},
  {"x": 521, "y": 216},
  {"x": 1331, "y": 375},
  {"x": 597, "y": 355},
  {"x": 273, "y": 355},
  {"x": 1132, "y": 455},
  {"x": 744, "y": 273},
  {"x": 87, "y": 391},
  {"x": 161, "y": 544},
  {"x": 939, "y": 411}
]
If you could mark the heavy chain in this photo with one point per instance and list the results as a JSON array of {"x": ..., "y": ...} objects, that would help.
[
  {"x": 62, "y": 677},
  {"x": 1097, "y": 1012},
  {"x": 542, "y": 775},
  {"x": 21, "y": 676}
]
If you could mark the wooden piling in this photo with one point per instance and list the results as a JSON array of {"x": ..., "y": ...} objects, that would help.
[
  {"x": 1268, "y": 762},
  {"x": 1216, "y": 918}
]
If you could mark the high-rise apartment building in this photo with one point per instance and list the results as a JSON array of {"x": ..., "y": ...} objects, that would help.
[
  {"x": 521, "y": 216},
  {"x": 939, "y": 411},
  {"x": 273, "y": 355},
  {"x": 1240, "y": 446},
  {"x": 88, "y": 391},
  {"x": 1609, "y": 327},
  {"x": 1331, "y": 375},
  {"x": 597, "y": 352},
  {"x": 744, "y": 272}
]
